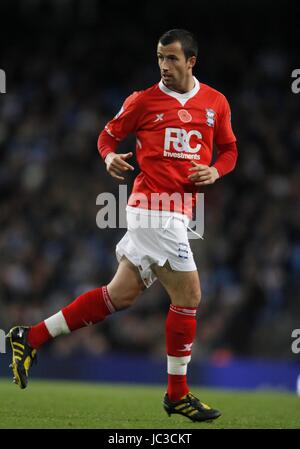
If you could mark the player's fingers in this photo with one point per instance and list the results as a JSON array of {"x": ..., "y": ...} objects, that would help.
[
  {"x": 127, "y": 166},
  {"x": 113, "y": 167},
  {"x": 114, "y": 170},
  {"x": 204, "y": 183},
  {"x": 204, "y": 177},
  {"x": 122, "y": 165},
  {"x": 114, "y": 175},
  {"x": 199, "y": 177},
  {"x": 199, "y": 168},
  {"x": 118, "y": 165},
  {"x": 126, "y": 155}
]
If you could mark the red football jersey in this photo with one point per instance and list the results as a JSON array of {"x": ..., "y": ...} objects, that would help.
[{"x": 171, "y": 129}]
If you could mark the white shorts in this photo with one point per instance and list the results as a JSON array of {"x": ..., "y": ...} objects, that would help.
[{"x": 155, "y": 237}]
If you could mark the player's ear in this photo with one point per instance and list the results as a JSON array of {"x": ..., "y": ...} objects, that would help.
[{"x": 192, "y": 61}]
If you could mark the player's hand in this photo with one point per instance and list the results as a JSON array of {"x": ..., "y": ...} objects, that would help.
[
  {"x": 203, "y": 175},
  {"x": 116, "y": 164}
]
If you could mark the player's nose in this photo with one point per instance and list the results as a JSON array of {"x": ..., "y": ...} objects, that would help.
[{"x": 164, "y": 67}]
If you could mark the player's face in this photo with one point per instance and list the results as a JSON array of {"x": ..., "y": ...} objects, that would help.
[{"x": 174, "y": 67}]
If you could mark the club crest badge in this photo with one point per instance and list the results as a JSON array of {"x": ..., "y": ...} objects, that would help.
[
  {"x": 210, "y": 117},
  {"x": 184, "y": 115}
]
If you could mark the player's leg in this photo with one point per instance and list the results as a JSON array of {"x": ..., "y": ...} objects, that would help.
[
  {"x": 89, "y": 308},
  {"x": 185, "y": 294},
  {"x": 183, "y": 287},
  {"x": 184, "y": 291},
  {"x": 126, "y": 285}
]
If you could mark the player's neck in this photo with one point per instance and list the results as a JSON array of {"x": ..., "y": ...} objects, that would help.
[{"x": 186, "y": 85}]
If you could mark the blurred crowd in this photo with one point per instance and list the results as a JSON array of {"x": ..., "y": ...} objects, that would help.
[{"x": 61, "y": 90}]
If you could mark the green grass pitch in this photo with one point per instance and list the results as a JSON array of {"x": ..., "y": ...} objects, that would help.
[{"x": 122, "y": 406}]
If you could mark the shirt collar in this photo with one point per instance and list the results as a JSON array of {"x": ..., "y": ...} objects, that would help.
[{"x": 182, "y": 98}]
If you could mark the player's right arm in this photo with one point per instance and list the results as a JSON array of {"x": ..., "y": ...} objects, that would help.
[{"x": 124, "y": 123}]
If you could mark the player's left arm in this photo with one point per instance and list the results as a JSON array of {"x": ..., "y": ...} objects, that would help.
[{"x": 226, "y": 151}]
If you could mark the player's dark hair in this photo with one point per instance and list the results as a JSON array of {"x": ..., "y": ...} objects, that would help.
[{"x": 188, "y": 42}]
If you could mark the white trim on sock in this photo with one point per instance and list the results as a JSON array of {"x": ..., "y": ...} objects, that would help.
[
  {"x": 178, "y": 365},
  {"x": 57, "y": 325},
  {"x": 107, "y": 300},
  {"x": 183, "y": 311}
]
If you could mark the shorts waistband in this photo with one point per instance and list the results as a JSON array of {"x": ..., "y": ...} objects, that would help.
[{"x": 158, "y": 213}]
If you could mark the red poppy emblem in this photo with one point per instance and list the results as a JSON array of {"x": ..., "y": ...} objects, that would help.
[{"x": 184, "y": 115}]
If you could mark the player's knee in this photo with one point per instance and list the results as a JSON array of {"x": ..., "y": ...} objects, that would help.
[
  {"x": 195, "y": 298},
  {"x": 126, "y": 301},
  {"x": 122, "y": 299},
  {"x": 189, "y": 298}
]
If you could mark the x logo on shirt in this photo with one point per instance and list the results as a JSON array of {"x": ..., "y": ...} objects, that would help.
[{"x": 159, "y": 117}]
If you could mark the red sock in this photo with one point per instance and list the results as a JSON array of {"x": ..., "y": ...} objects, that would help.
[
  {"x": 180, "y": 333},
  {"x": 38, "y": 335},
  {"x": 89, "y": 308}
]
